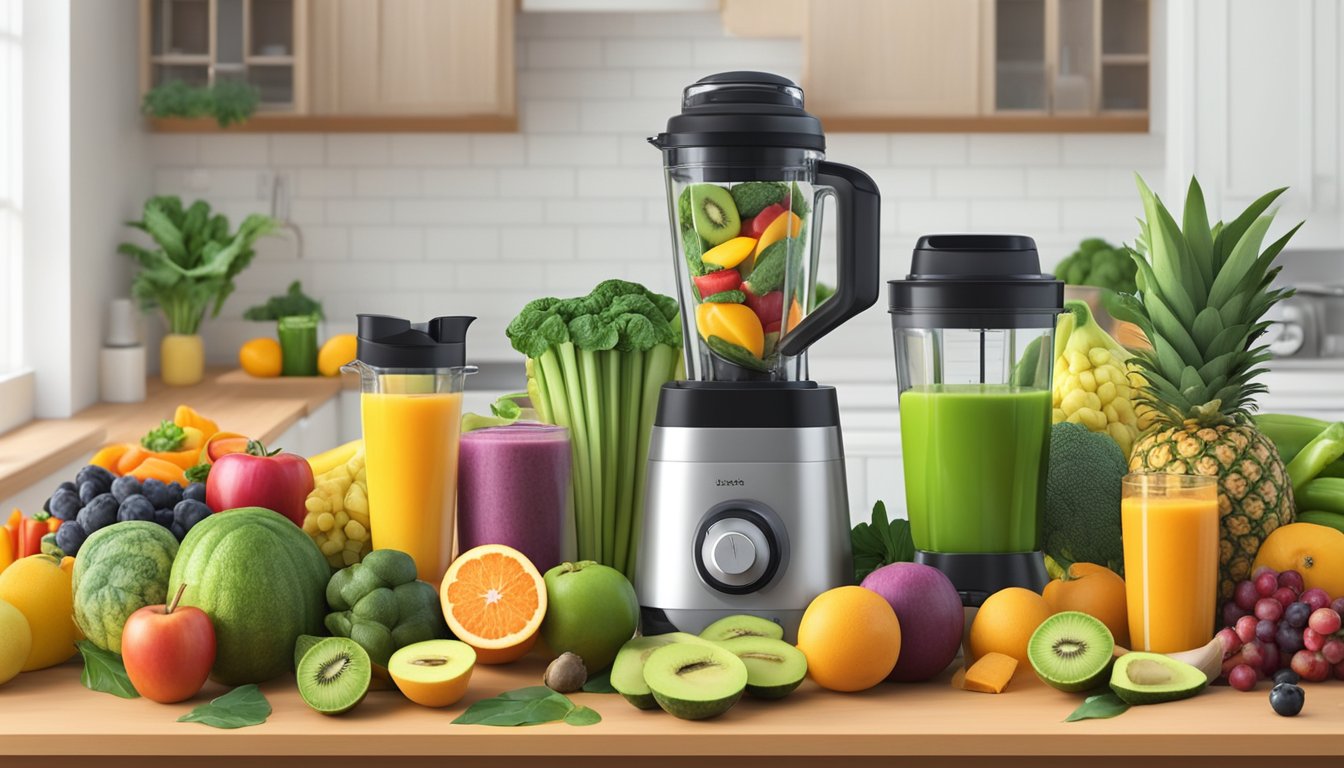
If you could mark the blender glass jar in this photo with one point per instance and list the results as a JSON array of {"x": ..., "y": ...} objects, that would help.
[
  {"x": 973, "y": 326},
  {"x": 411, "y": 381}
]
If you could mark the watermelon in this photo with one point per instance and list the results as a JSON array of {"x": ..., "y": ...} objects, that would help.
[
  {"x": 263, "y": 583},
  {"x": 120, "y": 569}
]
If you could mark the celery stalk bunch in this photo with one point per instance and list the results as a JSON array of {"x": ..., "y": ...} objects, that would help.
[{"x": 595, "y": 365}]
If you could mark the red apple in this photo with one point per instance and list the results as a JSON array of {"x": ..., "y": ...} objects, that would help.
[{"x": 168, "y": 651}]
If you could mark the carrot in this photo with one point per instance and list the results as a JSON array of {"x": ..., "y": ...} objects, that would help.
[{"x": 131, "y": 459}]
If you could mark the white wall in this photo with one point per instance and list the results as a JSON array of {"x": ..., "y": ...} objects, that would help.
[{"x": 421, "y": 225}]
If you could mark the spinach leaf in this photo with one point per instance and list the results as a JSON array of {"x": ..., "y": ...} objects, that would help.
[
  {"x": 1101, "y": 706},
  {"x": 103, "y": 671},
  {"x": 880, "y": 543},
  {"x": 239, "y": 708},
  {"x": 599, "y": 683},
  {"x": 583, "y": 716},
  {"x": 526, "y": 706}
]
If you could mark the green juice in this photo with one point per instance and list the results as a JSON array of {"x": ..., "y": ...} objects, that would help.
[{"x": 975, "y": 462}]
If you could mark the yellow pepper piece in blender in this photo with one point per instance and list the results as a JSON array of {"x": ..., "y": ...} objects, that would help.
[
  {"x": 786, "y": 225},
  {"x": 731, "y": 253},
  {"x": 735, "y": 323}
]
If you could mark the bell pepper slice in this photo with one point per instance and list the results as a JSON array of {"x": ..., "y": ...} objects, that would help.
[
  {"x": 108, "y": 456},
  {"x": 160, "y": 469},
  {"x": 186, "y": 416},
  {"x": 734, "y": 323}
]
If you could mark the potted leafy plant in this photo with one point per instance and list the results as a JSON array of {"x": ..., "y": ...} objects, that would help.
[
  {"x": 296, "y": 315},
  {"x": 189, "y": 272}
]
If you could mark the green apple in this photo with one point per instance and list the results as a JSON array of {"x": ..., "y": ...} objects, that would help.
[{"x": 591, "y": 610}]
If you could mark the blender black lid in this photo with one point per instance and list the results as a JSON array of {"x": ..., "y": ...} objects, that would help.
[
  {"x": 393, "y": 342},
  {"x": 742, "y": 109},
  {"x": 975, "y": 281}
]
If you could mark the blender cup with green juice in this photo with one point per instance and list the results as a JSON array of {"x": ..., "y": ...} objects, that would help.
[{"x": 973, "y": 324}]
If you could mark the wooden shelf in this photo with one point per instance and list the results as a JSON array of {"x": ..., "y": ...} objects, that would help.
[
  {"x": 287, "y": 123},
  {"x": 1124, "y": 58},
  {"x": 1129, "y": 122},
  {"x": 269, "y": 61},
  {"x": 927, "y": 725},
  {"x": 182, "y": 59}
]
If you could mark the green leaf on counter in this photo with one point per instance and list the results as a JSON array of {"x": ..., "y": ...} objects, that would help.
[
  {"x": 880, "y": 543},
  {"x": 104, "y": 672},
  {"x": 239, "y": 708},
  {"x": 583, "y": 716},
  {"x": 1101, "y": 706},
  {"x": 599, "y": 683},
  {"x": 533, "y": 705}
]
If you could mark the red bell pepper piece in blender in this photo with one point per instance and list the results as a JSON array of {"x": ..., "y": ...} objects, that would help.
[
  {"x": 768, "y": 307},
  {"x": 755, "y": 226},
  {"x": 718, "y": 282},
  {"x": 277, "y": 481}
]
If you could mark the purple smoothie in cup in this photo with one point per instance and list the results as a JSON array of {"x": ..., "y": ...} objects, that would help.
[{"x": 513, "y": 489}]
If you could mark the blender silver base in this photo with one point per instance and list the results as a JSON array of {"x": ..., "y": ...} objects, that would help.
[{"x": 977, "y": 575}]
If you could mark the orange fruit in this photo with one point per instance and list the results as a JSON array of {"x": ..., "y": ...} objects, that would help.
[
  {"x": 494, "y": 600},
  {"x": 851, "y": 638},
  {"x": 1095, "y": 590},
  {"x": 1005, "y": 622},
  {"x": 1315, "y": 551},
  {"x": 260, "y": 357},
  {"x": 338, "y": 351}
]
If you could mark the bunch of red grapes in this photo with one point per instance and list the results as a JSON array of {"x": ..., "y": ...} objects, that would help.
[{"x": 1273, "y": 622}]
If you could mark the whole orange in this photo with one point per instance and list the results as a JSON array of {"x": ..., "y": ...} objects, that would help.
[
  {"x": 1095, "y": 590},
  {"x": 851, "y": 638},
  {"x": 260, "y": 357},
  {"x": 1005, "y": 622},
  {"x": 1315, "y": 551}
]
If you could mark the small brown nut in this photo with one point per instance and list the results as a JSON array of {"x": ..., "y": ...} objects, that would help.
[{"x": 566, "y": 674}]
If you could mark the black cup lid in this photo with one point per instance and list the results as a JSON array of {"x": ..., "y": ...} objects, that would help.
[
  {"x": 742, "y": 109},
  {"x": 394, "y": 342},
  {"x": 975, "y": 281}
]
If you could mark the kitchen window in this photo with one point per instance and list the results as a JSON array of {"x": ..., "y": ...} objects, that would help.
[{"x": 16, "y": 394}]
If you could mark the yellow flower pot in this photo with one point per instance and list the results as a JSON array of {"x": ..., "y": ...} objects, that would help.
[{"x": 182, "y": 359}]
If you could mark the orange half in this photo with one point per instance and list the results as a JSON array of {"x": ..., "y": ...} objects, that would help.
[{"x": 493, "y": 599}]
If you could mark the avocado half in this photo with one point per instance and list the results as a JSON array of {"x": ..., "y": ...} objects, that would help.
[{"x": 1151, "y": 678}]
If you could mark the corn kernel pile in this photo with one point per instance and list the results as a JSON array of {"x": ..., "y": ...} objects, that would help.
[{"x": 338, "y": 513}]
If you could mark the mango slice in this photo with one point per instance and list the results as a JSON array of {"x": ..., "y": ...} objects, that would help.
[
  {"x": 787, "y": 225},
  {"x": 990, "y": 673},
  {"x": 729, "y": 254},
  {"x": 735, "y": 323}
]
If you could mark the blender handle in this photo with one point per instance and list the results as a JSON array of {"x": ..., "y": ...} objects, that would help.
[{"x": 857, "y": 252}]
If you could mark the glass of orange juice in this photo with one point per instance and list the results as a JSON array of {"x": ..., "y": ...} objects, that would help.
[{"x": 1169, "y": 525}]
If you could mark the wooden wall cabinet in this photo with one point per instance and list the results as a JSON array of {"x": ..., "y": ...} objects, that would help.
[{"x": 342, "y": 65}]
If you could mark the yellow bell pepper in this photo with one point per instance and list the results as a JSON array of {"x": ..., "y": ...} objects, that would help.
[
  {"x": 6, "y": 550},
  {"x": 735, "y": 323},
  {"x": 788, "y": 224},
  {"x": 186, "y": 416}
]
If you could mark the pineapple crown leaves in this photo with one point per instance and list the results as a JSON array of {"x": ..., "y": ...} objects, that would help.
[{"x": 1202, "y": 291}]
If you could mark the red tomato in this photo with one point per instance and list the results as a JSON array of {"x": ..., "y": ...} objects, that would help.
[
  {"x": 757, "y": 224},
  {"x": 769, "y": 308},
  {"x": 718, "y": 282},
  {"x": 279, "y": 482}
]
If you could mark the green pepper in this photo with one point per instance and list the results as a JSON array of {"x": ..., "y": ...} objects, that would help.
[{"x": 1324, "y": 449}]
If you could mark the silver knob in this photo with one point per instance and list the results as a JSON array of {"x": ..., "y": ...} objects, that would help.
[{"x": 734, "y": 553}]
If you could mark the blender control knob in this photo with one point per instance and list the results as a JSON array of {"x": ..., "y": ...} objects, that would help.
[{"x": 734, "y": 553}]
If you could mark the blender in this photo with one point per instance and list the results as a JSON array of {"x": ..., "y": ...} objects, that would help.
[
  {"x": 973, "y": 325},
  {"x": 411, "y": 379},
  {"x": 746, "y": 508}
]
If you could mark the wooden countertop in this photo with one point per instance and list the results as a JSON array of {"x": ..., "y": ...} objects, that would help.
[
  {"x": 259, "y": 408},
  {"x": 48, "y": 713}
]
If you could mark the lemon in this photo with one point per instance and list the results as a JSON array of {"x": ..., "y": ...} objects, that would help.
[
  {"x": 338, "y": 351},
  {"x": 260, "y": 357},
  {"x": 18, "y": 641}
]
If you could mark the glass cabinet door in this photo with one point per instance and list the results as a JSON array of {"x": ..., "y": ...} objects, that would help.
[{"x": 1020, "y": 71}]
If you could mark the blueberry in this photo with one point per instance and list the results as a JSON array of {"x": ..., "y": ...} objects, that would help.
[
  {"x": 70, "y": 537},
  {"x": 188, "y": 513},
  {"x": 1287, "y": 699},
  {"x": 96, "y": 474},
  {"x": 178, "y": 533},
  {"x": 125, "y": 486},
  {"x": 99, "y": 513},
  {"x": 89, "y": 490},
  {"x": 1286, "y": 676},
  {"x": 68, "y": 485},
  {"x": 65, "y": 504},
  {"x": 195, "y": 491},
  {"x": 157, "y": 492},
  {"x": 164, "y": 517},
  {"x": 136, "y": 508},
  {"x": 174, "y": 493}
]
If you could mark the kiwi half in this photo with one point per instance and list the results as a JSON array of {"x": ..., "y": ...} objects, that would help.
[
  {"x": 774, "y": 668},
  {"x": 693, "y": 681},
  {"x": 742, "y": 625},
  {"x": 1071, "y": 651},
  {"x": 714, "y": 214},
  {"x": 334, "y": 675}
]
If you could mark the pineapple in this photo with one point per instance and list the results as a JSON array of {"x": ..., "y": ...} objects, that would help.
[{"x": 1202, "y": 292}]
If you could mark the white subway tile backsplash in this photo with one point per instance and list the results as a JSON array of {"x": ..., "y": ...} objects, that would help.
[
  {"x": 421, "y": 149},
  {"x": 418, "y": 224},
  {"x": 387, "y": 244}
]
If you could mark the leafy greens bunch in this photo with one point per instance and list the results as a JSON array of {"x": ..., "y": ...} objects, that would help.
[
  {"x": 595, "y": 365},
  {"x": 195, "y": 261}
]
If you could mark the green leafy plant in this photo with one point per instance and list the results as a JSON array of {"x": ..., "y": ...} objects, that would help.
[
  {"x": 165, "y": 437},
  {"x": 881, "y": 542},
  {"x": 533, "y": 705},
  {"x": 292, "y": 303},
  {"x": 195, "y": 261},
  {"x": 104, "y": 672},
  {"x": 228, "y": 101},
  {"x": 595, "y": 365},
  {"x": 1099, "y": 707},
  {"x": 239, "y": 708}
]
